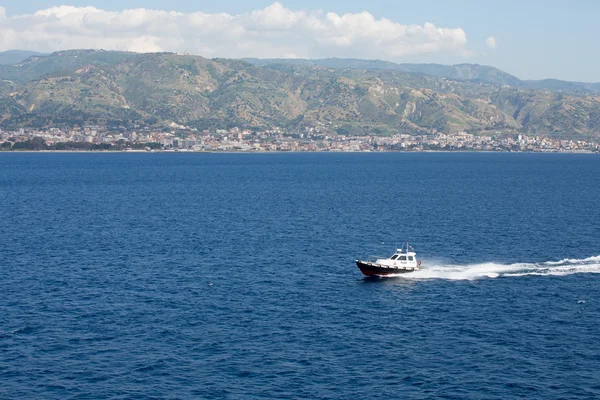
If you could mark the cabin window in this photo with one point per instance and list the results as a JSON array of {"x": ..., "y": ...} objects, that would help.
[
  {"x": 394, "y": 257},
  {"x": 410, "y": 258},
  {"x": 402, "y": 258}
]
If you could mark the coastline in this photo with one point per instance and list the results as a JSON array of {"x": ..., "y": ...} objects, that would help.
[{"x": 290, "y": 152}]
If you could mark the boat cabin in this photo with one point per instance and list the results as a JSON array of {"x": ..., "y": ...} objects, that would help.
[{"x": 400, "y": 258}]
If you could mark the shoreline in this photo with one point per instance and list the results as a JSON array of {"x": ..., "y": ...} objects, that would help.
[{"x": 290, "y": 152}]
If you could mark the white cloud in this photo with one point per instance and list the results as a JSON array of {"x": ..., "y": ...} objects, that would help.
[
  {"x": 491, "y": 42},
  {"x": 275, "y": 31}
]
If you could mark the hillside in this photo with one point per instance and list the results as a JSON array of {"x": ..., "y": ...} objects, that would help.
[
  {"x": 12, "y": 57},
  {"x": 466, "y": 72},
  {"x": 471, "y": 72},
  {"x": 79, "y": 86}
]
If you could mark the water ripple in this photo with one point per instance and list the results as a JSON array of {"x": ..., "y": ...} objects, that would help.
[{"x": 231, "y": 276}]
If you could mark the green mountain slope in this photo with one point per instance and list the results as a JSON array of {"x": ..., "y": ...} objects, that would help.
[
  {"x": 60, "y": 63},
  {"x": 12, "y": 57},
  {"x": 164, "y": 88},
  {"x": 462, "y": 71},
  {"x": 547, "y": 113},
  {"x": 468, "y": 72}
]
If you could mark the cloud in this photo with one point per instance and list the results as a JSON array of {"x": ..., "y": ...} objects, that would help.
[
  {"x": 491, "y": 42},
  {"x": 274, "y": 31}
]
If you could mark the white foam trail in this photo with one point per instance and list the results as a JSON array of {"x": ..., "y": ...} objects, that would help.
[{"x": 495, "y": 270}]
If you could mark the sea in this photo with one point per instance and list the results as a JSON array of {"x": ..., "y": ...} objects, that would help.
[{"x": 233, "y": 276}]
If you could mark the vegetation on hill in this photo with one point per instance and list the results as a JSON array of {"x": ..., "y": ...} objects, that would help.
[
  {"x": 337, "y": 96},
  {"x": 12, "y": 57}
]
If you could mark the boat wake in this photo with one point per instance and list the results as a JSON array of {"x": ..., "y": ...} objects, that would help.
[{"x": 494, "y": 270}]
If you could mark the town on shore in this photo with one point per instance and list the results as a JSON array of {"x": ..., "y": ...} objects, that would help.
[{"x": 181, "y": 138}]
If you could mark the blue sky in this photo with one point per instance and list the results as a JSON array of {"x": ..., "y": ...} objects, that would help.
[{"x": 533, "y": 39}]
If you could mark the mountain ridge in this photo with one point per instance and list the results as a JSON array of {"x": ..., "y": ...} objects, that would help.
[
  {"x": 458, "y": 71},
  {"x": 11, "y": 57},
  {"x": 78, "y": 86},
  {"x": 463, "y": 71}
]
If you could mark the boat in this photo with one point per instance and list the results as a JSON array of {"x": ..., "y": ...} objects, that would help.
[{"x": 404, "y": 260}]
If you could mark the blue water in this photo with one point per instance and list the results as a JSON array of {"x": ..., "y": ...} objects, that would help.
[{"x": 183, "y": 276}]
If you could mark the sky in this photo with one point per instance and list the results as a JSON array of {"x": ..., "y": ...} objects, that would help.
[{"x": 531, "y": 39}]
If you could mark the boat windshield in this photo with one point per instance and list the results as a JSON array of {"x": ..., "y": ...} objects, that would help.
[{"x": 394, "y": 257}]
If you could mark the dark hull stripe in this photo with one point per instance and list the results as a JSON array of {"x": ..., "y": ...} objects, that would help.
[{"x": 373, "y": 270}]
